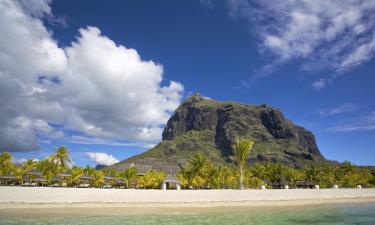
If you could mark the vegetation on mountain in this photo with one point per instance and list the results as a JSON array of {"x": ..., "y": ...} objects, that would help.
[{"x": 202, "y": 125}]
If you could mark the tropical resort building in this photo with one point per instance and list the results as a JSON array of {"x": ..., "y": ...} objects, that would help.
[{"x": 171, "y": 182}]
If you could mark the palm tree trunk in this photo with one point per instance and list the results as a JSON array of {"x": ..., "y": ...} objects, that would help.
[{"x": 241, "y": 177}]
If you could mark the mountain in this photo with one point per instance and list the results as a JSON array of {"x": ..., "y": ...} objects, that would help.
[
  {"x": 210, "y": 127},
  {"x": 99, "y": 167}
]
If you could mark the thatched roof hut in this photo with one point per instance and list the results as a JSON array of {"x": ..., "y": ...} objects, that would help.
[
  {"x": 171, "y": 181},
  {"x": 85, "y": 177}
]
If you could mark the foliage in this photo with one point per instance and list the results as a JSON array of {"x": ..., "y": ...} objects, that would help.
[
  {"x": 200, "y": 172},
  {"x": 75, "y": 173},
  {"x": 242, "y": 150},
  {"x": 128, "y": 175},
  {"x": 6, "y": 165},
  {"x": 151, "y": 180},
  {"x": 97, "y": 178},
  {"x": 61, "y": 158}
]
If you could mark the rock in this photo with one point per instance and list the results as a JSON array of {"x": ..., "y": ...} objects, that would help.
[{"x": 211, "y": 127}]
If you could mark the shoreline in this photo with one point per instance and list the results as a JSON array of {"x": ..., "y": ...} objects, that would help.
[
  {"x": 41, "y": 200},
  {"x": 82, "y": 209}
]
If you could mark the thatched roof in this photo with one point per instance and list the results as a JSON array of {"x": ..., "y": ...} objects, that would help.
[
  {"x": 62, "y": 175},
  {"x": 171, "y": 179},
  {"x": 8, "y": 177},
  {"x": 120, "y": 181},
  {"x": 34, "y": 173},
  {"x": 85, "y": 177},
  {"x": 143, "y": 166},
  {"x": 109, "y": 178},
  {"x": 142, "y": 169},
  {"x": 40, "y": 179},
  {"x": 169, "y": 169}
]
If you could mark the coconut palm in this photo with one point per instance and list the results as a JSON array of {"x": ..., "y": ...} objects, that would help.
[
  {"x": 27, "y": 166},
  {"x": 197, "y": 164},
  {"x": 61, "y": 158},
  {"x": 223, "y": 175},
  {"x": 88, "y": 170},
  {"x": 128, "y": 175},
  {"x": 48, "y": 169},
  {"x": 6, "y": 165},
  {"x": 75, "y": 174},
  {"x": 151, "y": 179},
  {"x": 97, "y": 178},
  {"x": 259, "y": 170},
  {"x": 242, "y": 150}
]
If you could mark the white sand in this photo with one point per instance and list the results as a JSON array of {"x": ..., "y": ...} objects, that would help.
[{"x": 45, "y": 195}]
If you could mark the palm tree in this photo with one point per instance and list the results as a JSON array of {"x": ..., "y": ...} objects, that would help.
[
  {"x": 197, "y": 164},
  {"x": 223, "y": 174},
  {"x": 6, "y": 164},
  {"x": 97, "y": 178},
  {"x": 48, "y": 169},
  {"x": 61, "y": 157},
  {"x": 27, "y": 166},
  {"x": 75, "y": 174},
  {"x": 128, "y": 175},
  {"x": 259, "y": 171},
  {"x": 242, "y": 150}
]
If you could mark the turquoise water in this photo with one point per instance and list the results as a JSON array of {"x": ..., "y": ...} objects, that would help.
[{"x": 337, "y": 215}]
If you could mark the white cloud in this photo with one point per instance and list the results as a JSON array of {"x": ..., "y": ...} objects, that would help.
[
  {"x": 94, "y": 87},
  {"x": 100, "y": 141},
  {"x": 359, "y": 124},
  {"x": 336, "y": 35},
  {"x": 102, "y": 158},
  {"x": 320, "y": 84},
  {"x": 19, "y": 161},
  {"x": 346, "y": 107}
]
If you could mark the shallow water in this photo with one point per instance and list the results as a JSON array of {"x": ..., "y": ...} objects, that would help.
[{"x": 337, "y": 215}]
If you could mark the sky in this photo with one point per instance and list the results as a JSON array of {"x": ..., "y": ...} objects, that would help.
[{"x": 103, "y": 77}]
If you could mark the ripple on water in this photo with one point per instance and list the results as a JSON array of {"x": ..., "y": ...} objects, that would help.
[{"x": 337, "y": 215}]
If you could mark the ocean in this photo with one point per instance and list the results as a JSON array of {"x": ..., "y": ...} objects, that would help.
[{"x": 358, "y": 214}]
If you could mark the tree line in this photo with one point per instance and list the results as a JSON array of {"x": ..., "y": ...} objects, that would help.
[{"x": 200, "y": 173}]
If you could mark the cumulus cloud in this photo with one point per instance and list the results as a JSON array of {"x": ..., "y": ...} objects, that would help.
[
  {"x": 94, "y": 87},
  {"x": 346, "y": 107},
  {"x": 336, "y": 35},
  {"x": 102, "y": 158}
]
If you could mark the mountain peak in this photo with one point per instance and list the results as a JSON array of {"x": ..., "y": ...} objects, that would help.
[{"x": 210, "y": 127}]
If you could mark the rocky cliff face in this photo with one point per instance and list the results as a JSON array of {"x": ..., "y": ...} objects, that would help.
[{"x": 211, "y": 127}]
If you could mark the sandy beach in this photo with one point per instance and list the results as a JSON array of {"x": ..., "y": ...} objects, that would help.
[{"x": 120, "y": 201}]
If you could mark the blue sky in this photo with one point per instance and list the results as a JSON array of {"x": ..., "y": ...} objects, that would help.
[{"x": 123, "y": 66}]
